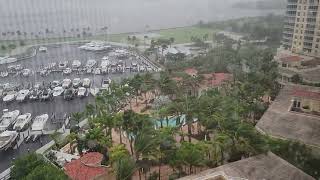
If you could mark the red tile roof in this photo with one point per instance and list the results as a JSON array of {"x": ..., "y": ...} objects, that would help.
[
  {"x": 291, "y": 59},
  {"x": 85, "y": 168},
  {"x": 216, "y": 79},
  {"x": 191, "y": 71},
  {"x": 306, "y": 94},
  {"x": 177, "y": 79}
]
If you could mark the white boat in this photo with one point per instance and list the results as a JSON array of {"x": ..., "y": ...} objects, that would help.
[
  {"x": 22, "y": 122},
  {"x": 97, "y": 71},
  {"x": 94, "y": 91},
  {"x": 44, "y": 72},
  {"x": 39, "y": 122},
  {"x": 7, "y": 59},
  {"x": 10, "y": 96},
  {"x": 76, "y": 64},
  {"x": 4, "y": 74},
  {"x": 105, "y": 64},
  {"x": 34, "y": 94},
  {"x": 67, "y": 71},
  {"x": 46, "y": 95},
  {"x": 7, "y": 139},
  {"x": 82, "y": 92},
  {"x": 43, "y": 49},
  {"x": 76, "y": 82},
  {"x": 8, "y": 119},
  {"x": 86, "y": 82},
  {"x": 63, "y": 64},
  {"x": 26, "y": 72},
  {"x": 95, "y": 46},
  {"x": 66, "y": 83},
  {"x": 105, "y": 58},
  {"x": 22, "y": 95},
  {"x": 18, "y": 67},
  {"x": 55, "y": 84},
  {"x": 91, "y": 63},
  {"x": 57, "y": 91},
  {"x": 105, "y": 84}
]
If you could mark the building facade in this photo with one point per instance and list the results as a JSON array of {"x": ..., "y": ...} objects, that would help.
[{"x": 302, "y": 27}]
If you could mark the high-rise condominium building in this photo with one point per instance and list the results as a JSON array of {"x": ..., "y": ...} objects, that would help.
[{"x": 302, "y": 27}]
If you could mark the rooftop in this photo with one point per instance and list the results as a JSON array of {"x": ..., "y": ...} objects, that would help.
[
  {"x": 191, "y": 71},
  {"x": 306, "y": 94},
  {"x": 86, "y": 168},
  {"x": 264, "y": 166},
  {"x": 291, "y": 59},
  {"x": 279, "y": 122},
  {"x": 216, "y": 79}
]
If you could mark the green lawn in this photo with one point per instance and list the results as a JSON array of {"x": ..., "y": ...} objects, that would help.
[{"x": 184, "y": 34}]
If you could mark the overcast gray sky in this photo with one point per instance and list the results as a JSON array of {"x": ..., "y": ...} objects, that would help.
[{"x": 119, "y": 15}]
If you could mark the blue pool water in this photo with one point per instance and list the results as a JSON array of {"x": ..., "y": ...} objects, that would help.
[{"x": 172, "y": 122}]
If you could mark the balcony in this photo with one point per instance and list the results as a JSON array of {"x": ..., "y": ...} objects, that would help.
[
  {"x": 292, "y": 2},
  {"x": 309, "y": 41},
  {"x": 288, "y": 27}
]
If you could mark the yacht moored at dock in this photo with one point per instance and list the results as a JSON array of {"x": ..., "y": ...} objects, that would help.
[
  {"x": 23, "y": 121},
  {"x": 39, "y": 122},
  {"x": 8, "y": 119},
  {"x": 8, "y": 139}
]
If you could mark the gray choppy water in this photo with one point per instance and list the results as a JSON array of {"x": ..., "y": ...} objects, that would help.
[{"x": 119, "y": 15}]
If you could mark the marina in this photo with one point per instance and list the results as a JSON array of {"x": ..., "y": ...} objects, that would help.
[{"x": 39, "y": 94}]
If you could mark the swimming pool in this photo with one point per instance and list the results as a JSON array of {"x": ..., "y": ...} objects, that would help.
[{"x": 172, "y": 121}]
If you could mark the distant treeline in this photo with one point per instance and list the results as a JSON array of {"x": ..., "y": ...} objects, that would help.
[
  {"x": 254, "y": 28},
  {"x": 262, "y": 4}
]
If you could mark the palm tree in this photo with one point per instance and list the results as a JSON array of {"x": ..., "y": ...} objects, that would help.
[
  {"x": 71, "y": 139},
  {"x": 145, "y": 38},
  {"x": 145, "y": 145},
  {"x": 118, "y": 152},
  {"x": 163, "y": 48},
  {"x": 55, "y": 138},
  {"x": 118, "y": 121},
  {"x": 171, "y": 41},
  {"x": 124, "y": 168},
  {"x": 191, "y": 154},
  {"x": 219, "y": 145},
  {"x": 129, "y": 39},
  {"x": 134, "y": 38},
  {"x": 76, "y": 117}
]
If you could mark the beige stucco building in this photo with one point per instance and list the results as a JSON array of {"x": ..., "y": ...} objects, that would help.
[
  {"x": 302, "y": 27},
  {"x": 308, "y": 101}
]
